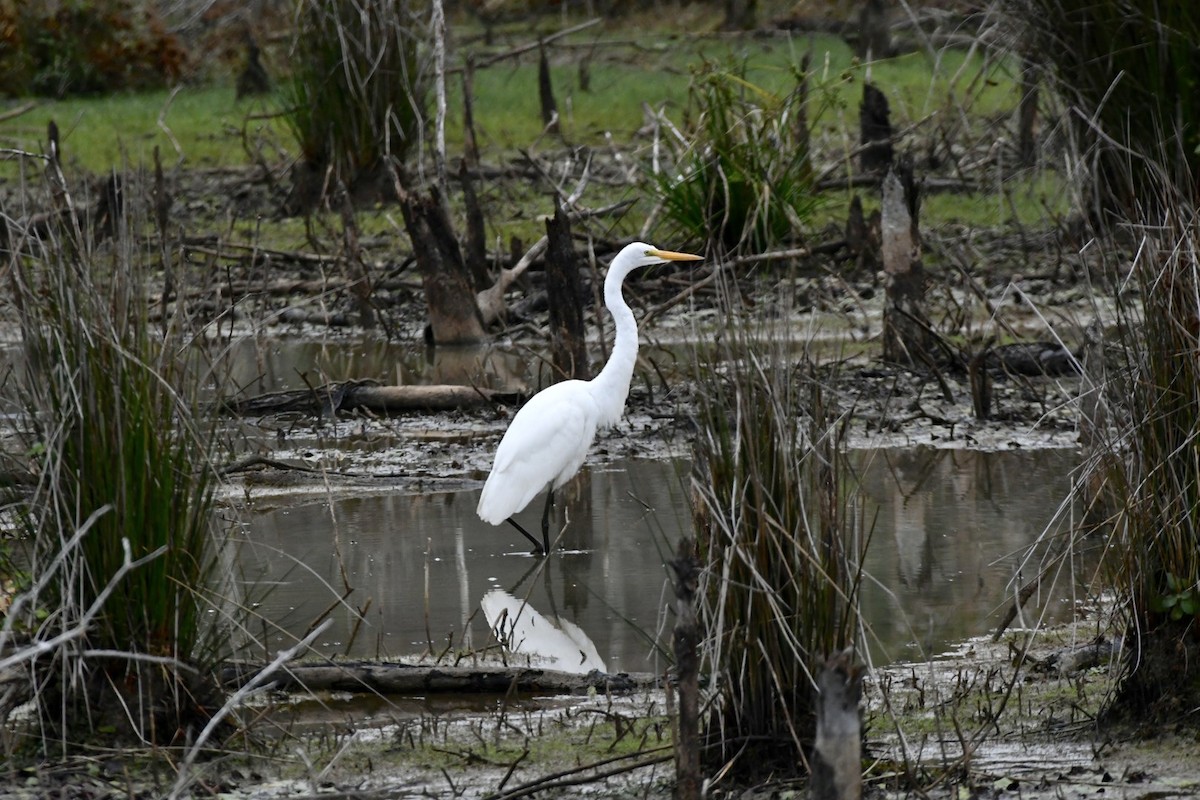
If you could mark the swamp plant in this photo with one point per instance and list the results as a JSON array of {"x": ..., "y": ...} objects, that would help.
[
  {"x": 356, "y": 99},
  {"x": 1127, "y": 72},
  {"x": 780, "y": 546},
  {"x": 120, "y": 514},
  {"x": 1150, "y": 468},
  {"x": 746, "y": 180}
]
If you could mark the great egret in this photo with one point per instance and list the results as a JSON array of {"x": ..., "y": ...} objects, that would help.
[{"x": 548, "y": 439}]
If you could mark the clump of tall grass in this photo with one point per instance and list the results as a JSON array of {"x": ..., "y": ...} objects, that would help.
[
  {"x": 118, "y": 643},
  {"x": 357, "y": 94},
  {"x": 1150, "y": 467},
  {"x": 781, "y": 549},
  {"x": 746, "y": 180},
  {"x": 1128, "y": 71}
]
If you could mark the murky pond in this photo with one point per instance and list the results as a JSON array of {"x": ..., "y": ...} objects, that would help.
[{"x": 405, "y": 575}]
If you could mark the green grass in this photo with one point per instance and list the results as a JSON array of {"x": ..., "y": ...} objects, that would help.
[
  {"x": 99, "y": 133},
  {"x": 1029, "y": 199}
]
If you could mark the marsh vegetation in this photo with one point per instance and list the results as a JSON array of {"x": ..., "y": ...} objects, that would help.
[{"x": 386, "y": 166}]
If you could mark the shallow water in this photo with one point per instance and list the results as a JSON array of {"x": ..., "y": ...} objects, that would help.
[{"x": 403, "y": 575}]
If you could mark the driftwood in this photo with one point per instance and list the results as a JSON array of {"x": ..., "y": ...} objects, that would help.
[
  {"x": 525, "y": 48},
  {"x": 384, "y": 678},
  {"x": 491, "y": 300},
  {"x": 330, "y": 399},
  {"x": 13, "y": 113}
]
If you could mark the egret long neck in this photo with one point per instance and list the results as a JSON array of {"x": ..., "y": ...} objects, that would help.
[{"x": 611, "y": 386}]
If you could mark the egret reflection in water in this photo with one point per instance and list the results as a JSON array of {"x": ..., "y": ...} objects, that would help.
[
  {"x": 949, "y": 534},
  {"x": 522, "y": 630}
]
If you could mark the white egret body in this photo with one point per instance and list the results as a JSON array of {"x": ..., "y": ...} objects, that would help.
[{"x": 548, "y": 439}]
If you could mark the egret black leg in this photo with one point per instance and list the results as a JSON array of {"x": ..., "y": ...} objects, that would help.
[
  {"x": 546, "y": 518},
  {"x": 537, "y": 546}
]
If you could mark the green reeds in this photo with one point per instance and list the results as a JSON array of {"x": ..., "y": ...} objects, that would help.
[
  {"x": 357, "y": 93},
  {"x": 746, "y": 180},
  {"x": 1128, "y": 71},
  {"x": 121, "y": 511},
  {"x": 1149, "y": 465},
  {"x": 781, "y": 549}
]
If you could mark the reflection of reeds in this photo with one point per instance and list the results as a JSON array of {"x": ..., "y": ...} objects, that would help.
[
  {"x": 122, "y": 507},
  {"x": 779, "y": 546}
]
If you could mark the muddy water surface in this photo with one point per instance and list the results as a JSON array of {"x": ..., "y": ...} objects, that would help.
[{"x": 406, "y": 575}]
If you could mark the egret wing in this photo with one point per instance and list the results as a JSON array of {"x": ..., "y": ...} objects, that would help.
[{"x": 545, "y": 444}]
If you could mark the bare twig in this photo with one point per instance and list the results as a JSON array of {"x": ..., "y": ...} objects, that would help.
[
  {"x": 525, "y": 48},
  {"x": 162, "y": 124},
  {"x": 256, "y": 684}
]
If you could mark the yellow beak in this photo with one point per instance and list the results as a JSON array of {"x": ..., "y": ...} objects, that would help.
[{"x": 671, "y": 255}]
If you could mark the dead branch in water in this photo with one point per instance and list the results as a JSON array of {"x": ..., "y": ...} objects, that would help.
[
  {"x": 369, "y": 396},
  {"x": 383, "y": 678}
]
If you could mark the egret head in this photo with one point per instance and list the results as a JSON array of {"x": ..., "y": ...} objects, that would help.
[{"x": 640, "y": 254}]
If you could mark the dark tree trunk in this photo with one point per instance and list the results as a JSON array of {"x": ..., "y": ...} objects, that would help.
[
  {"x": 803, "y": 133},
  {"x": 453, "y": 314},
  {"x": 874, "y": 31},
  {"x": 905, "y": 329},
  {"x": 476, "y": 249},
  {"x": 470, "y": 144},
  {"x": 875, "y": 131},
  {"x": 1027, "y": 114},
  {"x": 686, "y": 641},
  {"x": 740, "y": 15},
  {"x": 546, "y": 93},
  {"x": 356, "y": 270},
  {"x": 565, "y": 295}
]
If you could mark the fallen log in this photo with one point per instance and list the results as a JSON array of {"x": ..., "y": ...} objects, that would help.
[
  {"x": 390, "y": 678},
  {"x": 369, "y": 396}
]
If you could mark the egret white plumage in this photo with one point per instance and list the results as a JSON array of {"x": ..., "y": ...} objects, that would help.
[{"x": 548, "y": 439}]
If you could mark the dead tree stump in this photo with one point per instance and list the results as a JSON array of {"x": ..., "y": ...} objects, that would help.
[
  {"x": 874, "y": 30},
  {"x": 686, "y": 642},
  {"x": 905, "y": 326},
  {"x": 1027, "y": 114},
  {"x": 862, "y": 237},
  {"x": 453, "y": 315},
  {"x": 740, "y": 15},
  {"x": 565, "y": 296},
  {"x": 837, "y": 755},
  {"x": 546, "y": 93},
  {"x": 475, "y": 256},
  {"x": 875, "y": 131}
]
